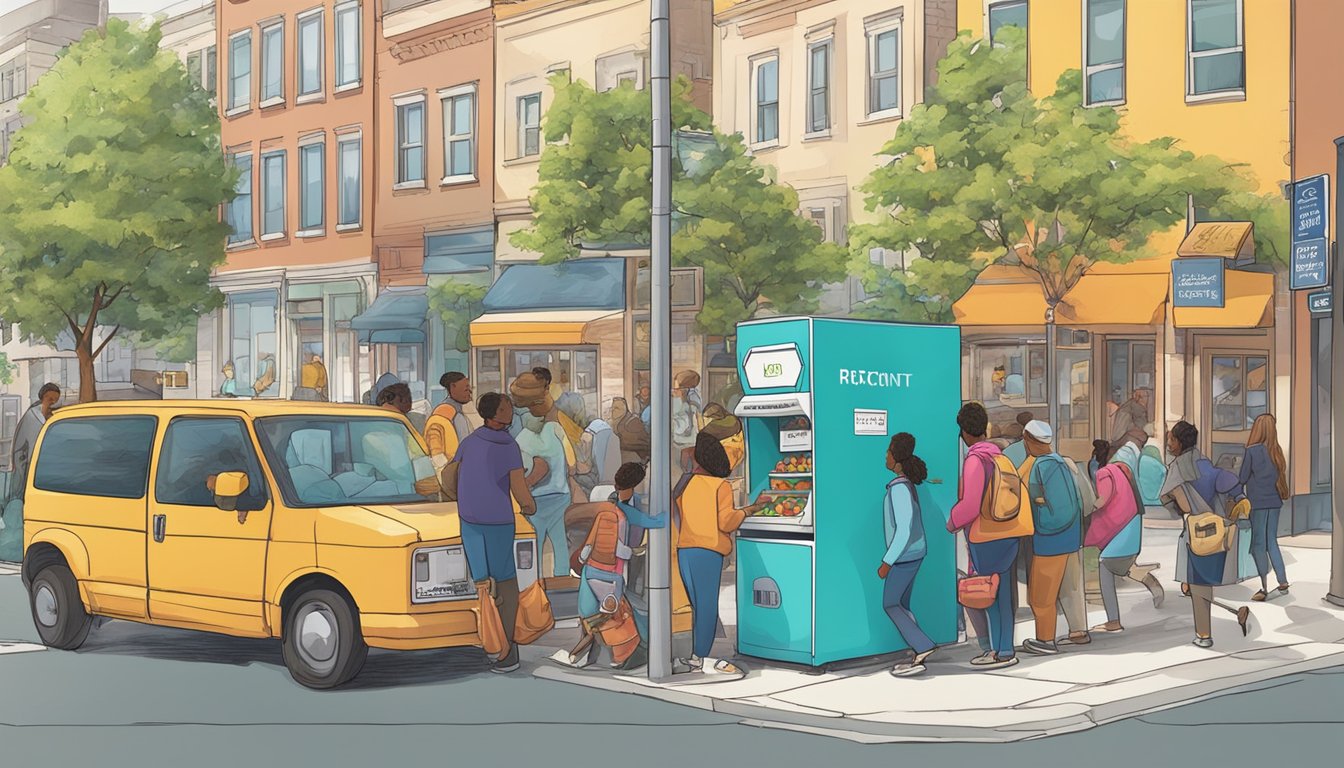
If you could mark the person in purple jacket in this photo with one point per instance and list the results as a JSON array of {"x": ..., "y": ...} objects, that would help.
[{"x": 1264, "y": 474}]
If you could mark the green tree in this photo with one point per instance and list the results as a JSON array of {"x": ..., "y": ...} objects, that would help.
[
  {"x": 459, "y": 301},
  {"x": 739, "y": 227},
  {"x": 6, "y": 369},
  {"x": 109, "y": 207},
  {"x": 985, "y": 172}
]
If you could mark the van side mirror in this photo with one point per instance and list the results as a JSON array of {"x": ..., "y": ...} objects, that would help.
[{"x": 228, "y": 486}]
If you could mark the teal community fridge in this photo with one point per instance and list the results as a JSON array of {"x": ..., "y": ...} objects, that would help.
[{"x": 821, "y": 399}]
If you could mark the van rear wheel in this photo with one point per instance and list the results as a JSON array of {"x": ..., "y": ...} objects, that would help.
[
  {"x": 58, "y": 613},
  {"x": 323, "y": 647}
]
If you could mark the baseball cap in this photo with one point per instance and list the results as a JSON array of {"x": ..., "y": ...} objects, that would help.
[{"x": 1040, "y": 431}]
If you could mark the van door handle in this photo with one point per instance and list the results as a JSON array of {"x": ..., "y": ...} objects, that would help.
[{"x": 160, "y": 527}]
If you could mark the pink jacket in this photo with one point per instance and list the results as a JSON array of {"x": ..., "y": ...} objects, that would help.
[
  {"x": 1116, "y": 506},
  {"x": 973, "y": 484}
]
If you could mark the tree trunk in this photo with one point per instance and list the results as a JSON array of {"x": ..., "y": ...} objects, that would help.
[{"x": 88, "y": 386}]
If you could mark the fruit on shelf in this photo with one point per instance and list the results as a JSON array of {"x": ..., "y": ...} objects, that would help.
[
  {"x": 794, "y": 465},
  {"x": 790, "y": 484},
  {"x": 782, "y": 507}
]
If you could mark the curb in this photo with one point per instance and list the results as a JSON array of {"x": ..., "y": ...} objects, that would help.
[{"x": 1026, "y": 722}]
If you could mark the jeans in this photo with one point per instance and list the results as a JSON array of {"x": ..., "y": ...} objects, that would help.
[
  {"x": 549, "y": 522},
  {"x": 998, "y": 557},
  {"x": 1265, "y": 545},
  {"x": 1113, "y": 568},
  {"x": 896, "y": 592},
  {"x": 701, "y": 570},
  {"x": 489, "y": 550}
]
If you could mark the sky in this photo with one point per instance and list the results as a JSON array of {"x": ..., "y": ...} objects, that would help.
[{"x": 114, "y": 6}]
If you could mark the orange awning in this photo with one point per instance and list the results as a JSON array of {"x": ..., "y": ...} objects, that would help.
[
  {"x": 550, "y": 328},
  {"x": 1002, "y": 296},
  {"x": 1249, "y": 304},
  {"x": 1010, "y": 296}
]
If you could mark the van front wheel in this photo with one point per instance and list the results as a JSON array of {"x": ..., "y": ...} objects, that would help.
[
  {"x": 58, "y": 613},
  {"x": 323, "y": 647}
]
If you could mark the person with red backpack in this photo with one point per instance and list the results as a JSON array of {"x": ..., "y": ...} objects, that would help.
[
  {"x": 991, "y": 508},
  {"x": 1057, "y": 512}
]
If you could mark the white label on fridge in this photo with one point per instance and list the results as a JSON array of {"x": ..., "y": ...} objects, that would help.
[
  {"x": 795, "y": 440},
  {"x": 771, "y": 367},
  {"x": 870, "y": 422}
]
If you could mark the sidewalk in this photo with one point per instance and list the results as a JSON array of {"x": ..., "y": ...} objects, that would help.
[{"x": 1151, "y": 666}]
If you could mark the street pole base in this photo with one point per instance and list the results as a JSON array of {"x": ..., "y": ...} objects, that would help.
[{"x": 1334, "y": 599}]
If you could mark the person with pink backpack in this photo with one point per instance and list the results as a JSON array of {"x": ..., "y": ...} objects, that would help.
[{"x": 1116, "y": 528}]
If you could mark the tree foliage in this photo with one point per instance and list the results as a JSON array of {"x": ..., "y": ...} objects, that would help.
[
  {"x": 109, "y": 207},
  {"x": 986, "y": 172},
  {"x": 734, "y": 223},
  {"x": 459, "y": 301}
]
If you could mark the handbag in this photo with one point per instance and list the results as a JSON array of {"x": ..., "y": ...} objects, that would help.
[
  {"x": 534, "y": 615},
  {"x": 978, "y": 592},
  {"x": 494, "y": 641}
]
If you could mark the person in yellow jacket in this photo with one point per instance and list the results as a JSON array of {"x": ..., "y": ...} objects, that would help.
[
  {"x": 706, "y": 517},
  {"x": 447, "y": 425}
]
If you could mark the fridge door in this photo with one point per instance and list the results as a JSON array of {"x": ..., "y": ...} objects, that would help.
[{"x": 774, "y": 600}]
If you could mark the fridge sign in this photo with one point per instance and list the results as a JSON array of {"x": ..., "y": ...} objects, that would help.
[
  {"x": 773, "y": 367},
  {"x": 870, "y": 422}
]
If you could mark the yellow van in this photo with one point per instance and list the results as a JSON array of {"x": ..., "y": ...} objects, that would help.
[{"x": 318, "y": 524}]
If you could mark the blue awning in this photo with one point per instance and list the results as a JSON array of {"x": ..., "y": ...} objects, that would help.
[
  {"x": 397, "y": 316},
  {"x": 574, "y": 284},
  {"x": 459, "y": 253}
]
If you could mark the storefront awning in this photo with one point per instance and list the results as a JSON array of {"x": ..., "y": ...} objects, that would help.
[
  {"x": 1002, "y": 296},
  {"x": 1249, "y": 304},
  {"x": 397, "y": 316},
  {"x": 587, "y": 284},
  {"x": 1114, "y": 300},
  {"x": 550, "y": 328}
]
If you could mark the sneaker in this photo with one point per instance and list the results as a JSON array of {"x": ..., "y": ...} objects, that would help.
[
  {"x": 1203, "y": 642},
  {"x": 1077, "y": 638},
  {"x": 1283, "y": 589},
  {"x": 907, "y": 670},
  {"x": 1110, "y": 626},
  {"x": 1259, "y": 597},
  {"x": 983, "y": 659},
  {"x": 998, "y": 663},
  {"x": 1039, "y": 647},
  {"x": 920, "y": 658},
  {"x": 507, "y": 664}
]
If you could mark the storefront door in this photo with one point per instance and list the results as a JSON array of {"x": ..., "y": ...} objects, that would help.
[
  {"x": 1130, "y": 366},
  {"x": 1238, "y": 392}
]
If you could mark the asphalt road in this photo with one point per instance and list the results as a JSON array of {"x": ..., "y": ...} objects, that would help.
[{"x": 141, "y": 696}]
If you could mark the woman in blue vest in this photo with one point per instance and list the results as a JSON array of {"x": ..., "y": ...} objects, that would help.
[{"x": 904, "y": 529}]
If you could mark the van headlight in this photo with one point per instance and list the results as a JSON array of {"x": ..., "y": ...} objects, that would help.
[{"x": 440, "y": 573}]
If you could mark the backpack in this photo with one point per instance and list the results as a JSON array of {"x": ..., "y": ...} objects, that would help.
[
  {"x": 1004, "y": 495},
  {"x": 1054, "y": 497},
  {"x": 1207, "y": 534},
  {"x": 1133, "y": 484}
]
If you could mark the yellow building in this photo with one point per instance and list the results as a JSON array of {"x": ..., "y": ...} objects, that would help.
[
  {"x": 1215, "y": 74},
  {"x": 818, "y": 88}
]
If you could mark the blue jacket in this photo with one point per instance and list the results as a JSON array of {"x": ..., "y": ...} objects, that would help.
[
  {"x": 1261, "y": 478},
  {"x": 1208, "y": 569},
  {"x": 903, "y": 524}
]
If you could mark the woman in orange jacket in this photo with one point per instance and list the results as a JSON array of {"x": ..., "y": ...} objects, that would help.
[{"x": 704, "y": 501}]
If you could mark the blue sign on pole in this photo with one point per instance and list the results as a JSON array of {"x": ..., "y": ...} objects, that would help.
[
  {"x": 1310, "y": 265},
  {"x": 1321, "y": 303},
  {"x": 1198, "y": 282},
  {"x": 1311, "y": 211}
]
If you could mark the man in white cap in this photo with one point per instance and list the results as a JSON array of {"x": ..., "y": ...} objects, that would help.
[{"x": 1057, "y": 511}]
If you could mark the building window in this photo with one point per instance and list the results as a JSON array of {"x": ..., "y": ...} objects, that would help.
[
  {"x": 13, "y": 80},
  {"x": 818, "y": 216},
  {"x": 240, "y": 208},
  {"x": 628, "y": 77},
  {"x": 819, "y": 88},
  {"x": 202, "y": 68},
  {"x": 1238, "y": 394},
  {"x": 348, "y": 54},
  {"x": 1217, "y": 60},
  {"x": 251, "y": 343},
  {"x": 273, "y": 64},
  {"x": 211, "y": 70},
  {"x": 459, "y": 134},
  {"x": 1009, "y": 14},
  {"x": 196, "y": 68},
  {"x": 273, "y": 195},
  {"x": 529, "y": 125},
  {"x": 240, "y": 71},
  {"x": 310, "y": 53},
  {"x": 351, "y": 171},
  {"x": 411, "y": 143},
  {"x": 765, "y": 76},
  {"x": 884, "y": 72},
  {"x": 312, "y": 191},
  {"x": 1105, "y": 51}
]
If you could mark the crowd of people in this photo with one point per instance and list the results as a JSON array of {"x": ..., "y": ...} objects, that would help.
[{"x": 1027, "y": 508}]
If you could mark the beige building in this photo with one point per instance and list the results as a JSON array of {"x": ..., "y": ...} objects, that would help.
[
  {"x": 817, "y": 87},
  {"x": 585, "y": 321}
]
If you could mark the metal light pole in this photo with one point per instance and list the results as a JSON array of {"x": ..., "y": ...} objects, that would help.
[
  {"x": 660, "y": 350},
  {"x": 1336, "y": 594}
]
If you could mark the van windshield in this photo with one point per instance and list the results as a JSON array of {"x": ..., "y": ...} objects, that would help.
[{"x": 323, "y": 461}]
